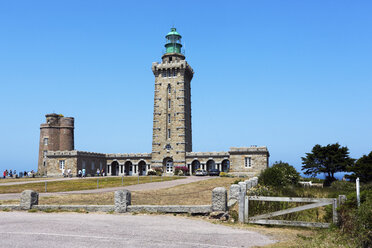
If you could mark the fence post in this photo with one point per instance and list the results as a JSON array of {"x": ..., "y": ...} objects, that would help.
[
  {"x": 97, "y": 183},
  {"x": 246, "y": 209},
  {"x": 242, "y": 194},
  {"x": 357, "y": 191},
  {"x": 122, "y": 180},
  {"x": 341, "y": 199},
  {"x": 28, "y": 199},
  {"x": 123, "y": 199},
  {"x": 138, "y": 178},
  {"x": 219, "y": 199},
  {"x": 151, "y": 178},
  {"x": 45, "y": 186},
  {"x": 334, "y": 211}
]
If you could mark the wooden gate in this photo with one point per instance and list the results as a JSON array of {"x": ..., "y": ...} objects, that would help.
[{"x": 264, "y": 218}]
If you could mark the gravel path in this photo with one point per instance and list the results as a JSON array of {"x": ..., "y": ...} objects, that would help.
[
  {"x": 42, "y": 230},
  {"x": 135, "y": 187}
]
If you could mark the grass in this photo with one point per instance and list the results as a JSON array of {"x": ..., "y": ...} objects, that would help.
[
  {"x": 11, "y": 180},
  {"x": 82, "y": 184},
  {"x": 197, "y": 193}
]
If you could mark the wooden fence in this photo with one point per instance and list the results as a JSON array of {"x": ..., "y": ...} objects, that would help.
[{"x": 264, "y": 218}]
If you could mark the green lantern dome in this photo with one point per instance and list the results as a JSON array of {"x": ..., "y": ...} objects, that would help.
[{"x": 173, "y": 43}]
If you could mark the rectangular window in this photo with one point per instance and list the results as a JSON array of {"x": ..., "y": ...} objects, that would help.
[
  {"x": 169, "y": 103},
  {"x": 62, "y": 164},
  {"x": 169, "y": 88},
  {"x": 92, "y": 166},
  {"x": 169, "y": 118},
  {"x": 45, "y": 141},
  {"x": 83, "y": 165},
  {"x": 164, "y": 73},
  {"x": 169, "y": 73},
  {"x": 45, "y": 153},
  {"x": 248, "y": 162},
  {"x": 174, "y": 73},
  {"x": 169, "y": 133}
]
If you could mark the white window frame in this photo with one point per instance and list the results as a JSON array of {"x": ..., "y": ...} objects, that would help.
[
  {"x": 248, "y": 162},
  {"x": 62, "y": 164},
  {"x": 46, "y": 140},
  {"x": 169, "y": 167}
]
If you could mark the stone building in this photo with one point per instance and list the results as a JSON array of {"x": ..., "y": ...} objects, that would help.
[{"x": 172, "y": 133}]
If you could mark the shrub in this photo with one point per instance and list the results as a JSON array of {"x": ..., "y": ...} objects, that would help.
[
  {"x": 151, "y": 172},
  {"x": 357, "y": 222},
  {"x": 223, "y": 174},
  {"x": 158, "y": 171},
  {"x": 181, "y": 170},
  {"x": 279, "y": 175}
]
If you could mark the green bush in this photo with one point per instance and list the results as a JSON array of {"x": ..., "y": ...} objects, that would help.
[
  {"x": 357, "y": 222},
  {"x": 279, "y": 175}
]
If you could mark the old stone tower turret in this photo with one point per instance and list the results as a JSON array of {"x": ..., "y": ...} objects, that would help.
[
  {"x": 57, "y": 134},
  {"x": 172, "y": 107}
]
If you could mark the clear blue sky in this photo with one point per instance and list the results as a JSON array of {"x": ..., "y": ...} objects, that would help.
[{"x": 283, "y": 74}]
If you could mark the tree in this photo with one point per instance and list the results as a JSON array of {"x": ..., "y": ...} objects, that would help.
[
  {"x": 280, "y": 174},
  {"x": 328, "y": 160},
  {"x": 362, "y": 169}
]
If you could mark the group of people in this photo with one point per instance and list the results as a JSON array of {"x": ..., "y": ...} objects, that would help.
[
  {"x": 13, "y": 174},
  {"x": 82, "y": 173}
]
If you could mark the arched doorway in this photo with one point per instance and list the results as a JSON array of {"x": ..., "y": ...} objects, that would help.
[
  {"x": 211, "y": 165},
  {"x": 168, "y": 165},
  {"x": 225, "y": 165},
  {"x": 142, "y": 168},
  {"x": 128, "y": 168},
  {"x": 194, "y": 166},
  {"x": 115, "y": 168}
]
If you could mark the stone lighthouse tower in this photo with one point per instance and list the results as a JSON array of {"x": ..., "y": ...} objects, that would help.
[
  {"x": 57, "y": 134},
  {"x": 172, "y": 107}
]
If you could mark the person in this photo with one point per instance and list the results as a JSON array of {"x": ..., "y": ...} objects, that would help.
[
  {"x": 4, "y": 174},
  {"x": 79, "y": 173},
  {"x": 103, "y": 172},
  {"x": 83, "y": 172},
  {"x": 24, "y": 173},
  {"x": 10, "y": 173},
  {"x": 69, "y": 172},
  {"x": 97, "y": 172}
]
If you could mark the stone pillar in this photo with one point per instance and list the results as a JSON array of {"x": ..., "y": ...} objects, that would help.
[
  {"x": 243, "y": 186},
  {"x": 28, "y": 199},
  {"x": 248, "y": 183},
  {"x": 234, "y": 192},
  {"x": 219, "y": 199},
  {"x": 122, "y": 200}
]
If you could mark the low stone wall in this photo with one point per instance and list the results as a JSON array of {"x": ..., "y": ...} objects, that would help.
[
  {"x": 122, "y": 204},
  {"x": 201, "y": 209},
  {"x": 90, "y": 208}
]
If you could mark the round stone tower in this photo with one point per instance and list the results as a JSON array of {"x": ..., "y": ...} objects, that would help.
[{"x": 57, "y": 134}]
